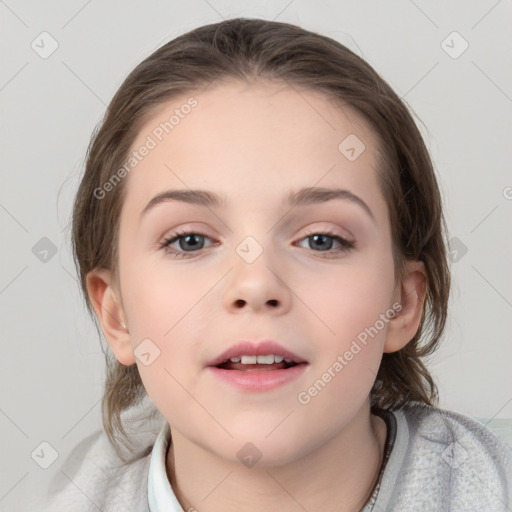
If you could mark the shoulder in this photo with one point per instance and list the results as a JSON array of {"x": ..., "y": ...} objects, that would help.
[
  {"x": 94, "y": 478},
  {"x": 433, "y": 424},
  {"x": 446, "y": 460}
]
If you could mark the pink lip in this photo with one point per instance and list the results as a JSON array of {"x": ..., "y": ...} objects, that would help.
[
  {"x": 263, "y": 348},
  {"x": 258, "y": 380}
]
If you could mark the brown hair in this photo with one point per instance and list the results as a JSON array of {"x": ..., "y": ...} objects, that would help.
[{"x": 250, "y": 49}]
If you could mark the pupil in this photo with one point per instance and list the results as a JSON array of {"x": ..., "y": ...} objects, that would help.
[{"x": 322, "y": 246}]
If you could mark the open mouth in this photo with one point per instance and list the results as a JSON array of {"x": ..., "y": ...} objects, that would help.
[
  {"x": 250, "y": 373},
  {"x": 261, "y": 362},
  {"x": 245, "y": 367}
]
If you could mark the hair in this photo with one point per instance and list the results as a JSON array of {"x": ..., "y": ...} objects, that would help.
[{"x": 248, "y": 49}]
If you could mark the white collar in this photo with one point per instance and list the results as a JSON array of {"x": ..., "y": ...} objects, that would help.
[{"x": 161, "y": 497}]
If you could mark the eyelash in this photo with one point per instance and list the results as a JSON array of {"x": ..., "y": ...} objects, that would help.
[{"x": 345, "y": 245}]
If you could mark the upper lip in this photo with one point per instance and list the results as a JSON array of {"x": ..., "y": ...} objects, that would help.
[{"x": 262, "y": 348}]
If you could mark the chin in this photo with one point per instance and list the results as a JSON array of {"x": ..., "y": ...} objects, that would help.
[{"x": 257, "y": 450}]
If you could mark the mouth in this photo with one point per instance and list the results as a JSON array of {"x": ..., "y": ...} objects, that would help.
[
  {"x": 265, "y": 355},
  {"x": 257, "y": 363},
  {"x": 261, "y": 367}
]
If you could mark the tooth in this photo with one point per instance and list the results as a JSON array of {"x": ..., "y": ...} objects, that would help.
[
  {"x": 269, "y": 359},
  {"x": 266, "y": 359}
]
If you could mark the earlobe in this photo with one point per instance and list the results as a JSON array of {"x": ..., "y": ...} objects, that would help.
[
  {"x": 109, "y": 311},
  {"x": 410, "y": 294}
]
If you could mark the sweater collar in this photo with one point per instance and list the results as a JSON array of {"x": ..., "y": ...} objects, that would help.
[{"x": 161, "y": 497}]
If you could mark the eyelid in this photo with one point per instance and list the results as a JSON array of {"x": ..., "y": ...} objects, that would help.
[
  {"x": 331, "y": 231},
  {"x": 346, "y": 242},
  {"x": 181, "y": 232},
  {"x": 185, "y": 229}
]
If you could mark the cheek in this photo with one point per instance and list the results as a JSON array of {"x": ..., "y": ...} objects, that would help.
[
  {"x": 355, "y": 313},
  {"x": 166, "y": 305},
  {"x": 156, "y": 297},
  {"x": 162, "y": 307},
  {"x": 351, "y": 298}
]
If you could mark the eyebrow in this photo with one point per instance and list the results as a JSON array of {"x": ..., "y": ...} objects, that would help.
[{"x": 303, "y": 197}]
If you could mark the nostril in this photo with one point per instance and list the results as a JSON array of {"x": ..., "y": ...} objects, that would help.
[{"x": 240, "y": 303}]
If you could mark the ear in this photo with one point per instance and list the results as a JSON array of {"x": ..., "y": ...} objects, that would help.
[
  {"x": 410, "y": 294},
  {"x": 109, "y": 310}
]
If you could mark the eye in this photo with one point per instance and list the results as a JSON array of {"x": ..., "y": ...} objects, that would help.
[
  {"x": 187, "y": 241},
  {"x": 324, "y": 242}
]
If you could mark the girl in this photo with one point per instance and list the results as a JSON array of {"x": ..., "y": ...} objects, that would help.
[{"x": 259, "y": 233}]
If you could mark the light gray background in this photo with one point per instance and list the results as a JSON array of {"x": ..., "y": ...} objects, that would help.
[{"x": 52, "y": 369}]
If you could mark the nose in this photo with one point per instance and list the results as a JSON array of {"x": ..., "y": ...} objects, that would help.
[{"x": 258, "y": 287}]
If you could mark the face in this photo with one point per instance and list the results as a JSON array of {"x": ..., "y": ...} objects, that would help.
[{"x": 311, "y": 275}]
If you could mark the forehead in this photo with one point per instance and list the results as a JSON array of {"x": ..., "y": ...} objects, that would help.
[{"x": 253, "y": 138}]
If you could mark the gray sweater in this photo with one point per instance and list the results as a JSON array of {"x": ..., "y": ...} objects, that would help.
[{"x": 437, "y": 461}]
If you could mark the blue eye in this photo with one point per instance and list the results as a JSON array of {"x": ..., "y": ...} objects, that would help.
[
  {"x": 187, "y": 241},
  {"x": 323, "y": 242},
  {"x": 192, "y": 242}
]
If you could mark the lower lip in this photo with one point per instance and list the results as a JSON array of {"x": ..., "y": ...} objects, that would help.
[{"x": 258, "y": 380}]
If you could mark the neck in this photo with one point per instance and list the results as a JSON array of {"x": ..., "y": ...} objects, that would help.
[{"x": 339, "y": 476}]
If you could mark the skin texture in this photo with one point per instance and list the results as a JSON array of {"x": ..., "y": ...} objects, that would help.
[{"x": 254, "y": 144}]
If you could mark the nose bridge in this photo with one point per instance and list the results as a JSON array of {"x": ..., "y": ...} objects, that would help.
[{"x": 256, "y": 280}]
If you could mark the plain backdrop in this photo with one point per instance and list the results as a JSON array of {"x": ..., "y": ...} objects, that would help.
[{"x": 450, "y": 61}]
